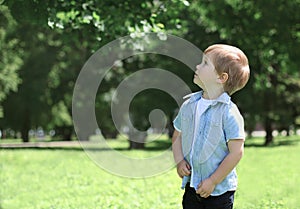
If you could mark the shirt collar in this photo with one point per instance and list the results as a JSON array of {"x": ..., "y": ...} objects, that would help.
[{"x": 223, "y": 98}]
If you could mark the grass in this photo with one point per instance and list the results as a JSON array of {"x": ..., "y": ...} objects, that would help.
[
  {"x": 269, "y": 176},
  {"x": 67, "y": 178}
]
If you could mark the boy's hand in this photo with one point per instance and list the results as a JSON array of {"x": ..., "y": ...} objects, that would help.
[
  {"x": 183, "y": 169},
  {"x": 206, "y": 187}
]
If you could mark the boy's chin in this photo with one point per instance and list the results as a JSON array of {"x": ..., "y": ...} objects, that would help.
[{"x": 197, "y": 83}]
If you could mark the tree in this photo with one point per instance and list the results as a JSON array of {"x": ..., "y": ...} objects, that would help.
[
  {"x": 79, "y": 28},
  {"x": 120, "y": 17},
  {"x": 270, "y": 42},
  {"x": 29, "y": 106},
  {"x": 10, "y": 55}
]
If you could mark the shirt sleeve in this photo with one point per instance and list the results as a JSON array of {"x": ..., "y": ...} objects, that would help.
[
  {"x": 177, "y": 121},
  {"x": 234, "y": 124}
]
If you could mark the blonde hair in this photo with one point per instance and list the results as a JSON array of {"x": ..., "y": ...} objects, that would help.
[{"x": 231, "y": 60}]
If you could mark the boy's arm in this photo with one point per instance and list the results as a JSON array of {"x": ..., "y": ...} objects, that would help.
[
  {"x": 176, "y": 147},
  {"x": 236, "y": 150},
  {"x": 183, "y": 168}
]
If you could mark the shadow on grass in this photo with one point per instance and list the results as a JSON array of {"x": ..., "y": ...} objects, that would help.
[
  {"x": 62, "y": 148},
  {"x": 43, "y": 148},
  {"x": 276, "y": 142},
  {"x": 157, "y": 145}
]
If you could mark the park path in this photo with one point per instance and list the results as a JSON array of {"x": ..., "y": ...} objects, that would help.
[{"x": 41, "y": 144}]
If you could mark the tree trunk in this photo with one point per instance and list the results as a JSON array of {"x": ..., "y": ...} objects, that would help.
[
  {"x": 67, "y": 136},
  {"x": 109, "y": 134},
  {"x": 287, "y": 131},
  {"x": 249, "y": 134},
  {"x": 65, "y": 132},
  {"x": 137, "y": 140},
  {"x": 268, "y": 127},
  {"x": 171, "y": 129},
  {"x": 2, "y": 134},
  {"x": 83, "y": 137},
  {"x": 250, "y": 128},
  {"x": 25, "y": 128},
  {"x": 24, "y": 134}
]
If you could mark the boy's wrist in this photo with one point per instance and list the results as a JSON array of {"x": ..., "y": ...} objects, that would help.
[
  {"x": 180, "y": 162},
  {"x": 214, "y": 180}
]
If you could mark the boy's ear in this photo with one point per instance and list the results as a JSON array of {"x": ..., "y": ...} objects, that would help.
[{"x": 223, "y": 78}]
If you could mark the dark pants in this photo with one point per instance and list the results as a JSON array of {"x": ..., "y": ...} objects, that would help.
[{"x": 192, "y": 200}]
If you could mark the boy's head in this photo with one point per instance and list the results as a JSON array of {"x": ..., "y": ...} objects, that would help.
[{"x": 231, "y": 62}]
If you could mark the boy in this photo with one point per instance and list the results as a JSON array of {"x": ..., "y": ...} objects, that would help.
[{"x": 208, "y": 140}]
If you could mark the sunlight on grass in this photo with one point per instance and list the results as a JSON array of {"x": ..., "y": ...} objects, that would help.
[
  {"x": 154, "y": 146},
  {"x": 67, "y": 178}
]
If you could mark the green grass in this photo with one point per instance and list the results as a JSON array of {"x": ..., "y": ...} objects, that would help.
[
  {"x": 67, "y": 178},
  {"x": 269, "y": 176}
]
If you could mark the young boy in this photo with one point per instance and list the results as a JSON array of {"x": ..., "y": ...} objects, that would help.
[{"x": 208, "y": 140}]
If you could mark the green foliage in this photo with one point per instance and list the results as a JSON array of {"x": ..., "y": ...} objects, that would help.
[
  {"x": 29, "y": 107},
  {"x": 268, "y": 32},
  {"x": 10, "y": 54},
  {"x": 62, "y": 117},
  {"x": 34, "y": 12}
]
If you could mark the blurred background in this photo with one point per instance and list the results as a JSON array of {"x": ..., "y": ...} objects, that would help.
[{"x": 44, "y": 45}]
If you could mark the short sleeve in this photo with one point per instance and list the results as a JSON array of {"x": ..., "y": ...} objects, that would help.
[
  {"x": 234, "y": 124},
  {"x": 177, "y": 121}
]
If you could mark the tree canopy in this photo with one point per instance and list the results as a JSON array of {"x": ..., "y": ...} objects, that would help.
[{"x": 44, "y": 45}]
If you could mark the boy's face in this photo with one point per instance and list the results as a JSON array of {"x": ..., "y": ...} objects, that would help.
[{"x": 205, "y": 75}]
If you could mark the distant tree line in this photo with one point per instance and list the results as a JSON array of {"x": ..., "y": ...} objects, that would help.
[{"x": 44, "y": 45}]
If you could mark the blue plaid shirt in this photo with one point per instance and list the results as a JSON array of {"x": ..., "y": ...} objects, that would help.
[{"x": 219, "y": 123}]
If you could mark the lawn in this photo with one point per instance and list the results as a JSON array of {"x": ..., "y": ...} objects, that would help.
[{"x": 67, "y": 178}]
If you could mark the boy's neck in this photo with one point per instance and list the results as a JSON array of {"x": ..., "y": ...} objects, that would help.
[{"x": 212, "y": 94}]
